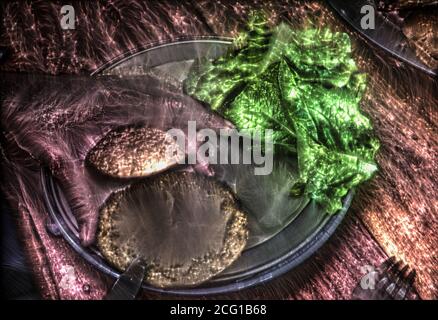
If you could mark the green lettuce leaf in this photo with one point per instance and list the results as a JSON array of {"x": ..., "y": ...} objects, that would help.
[{"x": 305, "y": 86}]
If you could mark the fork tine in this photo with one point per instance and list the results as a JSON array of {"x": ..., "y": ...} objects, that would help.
[
  {"x": 398, "y": 280},
  {"x": 401, "y": 275},
  {"x": 387, "y": 284},
  {"x": 394, "y": 270},
  {"x": 406, "y": 286},
  {"x": 411, "y": 277},
  {"x": 380, "y": 288},
  {"x": 387, "y": 264},
  {"x": 383, "y": 270}
]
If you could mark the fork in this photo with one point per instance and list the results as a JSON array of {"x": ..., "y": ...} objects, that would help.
[
  {"x": 392, "y": 280},
  {"x": 129, "y": 283}
]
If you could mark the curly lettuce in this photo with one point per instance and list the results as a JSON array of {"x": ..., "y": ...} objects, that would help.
[{"x": 305, "y": 85}]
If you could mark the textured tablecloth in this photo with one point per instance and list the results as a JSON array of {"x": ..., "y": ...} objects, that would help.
[{"x": 395, "y": 214}]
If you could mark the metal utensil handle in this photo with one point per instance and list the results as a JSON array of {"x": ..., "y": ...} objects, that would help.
[{"x": 128, "y": 284}]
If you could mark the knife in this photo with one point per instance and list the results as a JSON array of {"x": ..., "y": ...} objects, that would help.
[{"x": 385, "y": 35}]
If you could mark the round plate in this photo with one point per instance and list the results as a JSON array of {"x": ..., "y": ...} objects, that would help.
[{"x": 298, "y": 240}]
